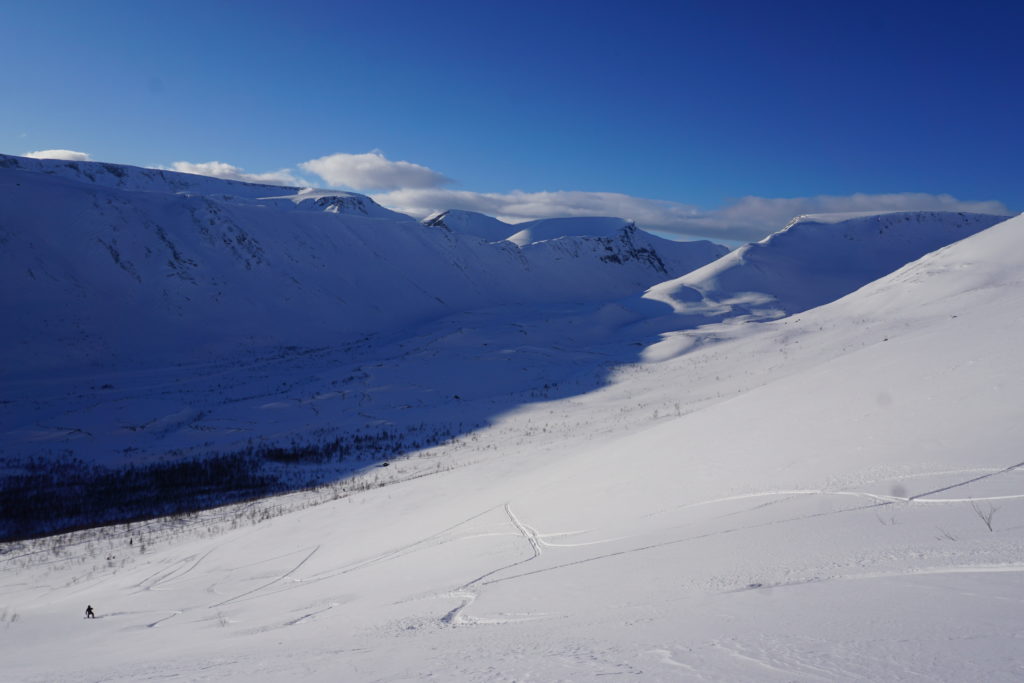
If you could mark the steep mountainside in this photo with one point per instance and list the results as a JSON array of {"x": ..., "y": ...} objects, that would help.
[
  {"x": 617, "y": 240},
  {"x": 624, "y": 244},
  {"x": 111, "y": 264}
]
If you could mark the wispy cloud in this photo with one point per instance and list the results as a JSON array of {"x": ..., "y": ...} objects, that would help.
[
  {"x": 65, "y": 154},
  {"x": 749, "y": 218},
  {"x": 418, "y": 191},
  {"x": 218, "y": 169},
  {"x": 518, "y": 206},
  {"x": 373, "y": 171}
]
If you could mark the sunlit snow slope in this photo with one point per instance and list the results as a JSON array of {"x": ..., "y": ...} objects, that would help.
[
  {"x": 814, "y": 260},
  {"x": 836, "y": 495}
]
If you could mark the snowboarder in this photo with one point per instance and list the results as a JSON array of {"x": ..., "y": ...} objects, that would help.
[{"x": 89, "y": 614}]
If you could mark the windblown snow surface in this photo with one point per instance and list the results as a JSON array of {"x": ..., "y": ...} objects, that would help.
[{"x": 831, "y": 495}]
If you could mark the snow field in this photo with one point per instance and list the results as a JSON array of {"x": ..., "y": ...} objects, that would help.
[{"x": 817, "y": 515}]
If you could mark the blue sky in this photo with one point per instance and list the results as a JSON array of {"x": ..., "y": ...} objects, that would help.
[{"x": 712, "y": 118}]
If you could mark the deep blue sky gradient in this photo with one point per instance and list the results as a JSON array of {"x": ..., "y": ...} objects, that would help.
[{"x": 695, "y": 102}]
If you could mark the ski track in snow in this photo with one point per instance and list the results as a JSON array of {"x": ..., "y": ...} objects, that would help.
[
  {"x": 468, "y": 597},
  {"x": 346, "y": 569},
  {"x": 1007, "y": 470},
  {"x": 528, "y": 533},
  {"x": 882, "y": 499},
  {"x": 304, "y": 617},
  {"x": 390, "y": 554},
  {"x": 537, "y": 541},
  {"x": 269, "y": 583},
  {"x": 163, "y": 576},
  {"x": 160, "y": 621},
  {"x": 879, "y": 501}
]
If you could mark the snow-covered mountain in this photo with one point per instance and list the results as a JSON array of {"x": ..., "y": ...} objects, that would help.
[
  {"x": 619, "y": 240},
  {"x": 829, "y": 496},
  {"x": 471, "y": 223},
  {"x": 812, "y": 261},
  {"x": 553, "y": 228},
  {"x": 137, "y": 179},
  {"x": 614, "y": 240},
  {"x": 107, "y": 265}
]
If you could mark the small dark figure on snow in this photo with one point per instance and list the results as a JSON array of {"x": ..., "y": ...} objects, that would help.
[{"x": 89, "y": 614}]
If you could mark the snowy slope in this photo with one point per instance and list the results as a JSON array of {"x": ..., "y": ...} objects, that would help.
[
  {"x": 108, "y": 265},
  {"x": 134, "y": 178},
  {"x": 471, "y": 223},
  {"x": 831, "y": 496},
  {"x": 624, "y": 244},
  {"x": 620, "y": 240},
  {"x": 553, "y": 228},
  {"x": 814, "y": 260}
]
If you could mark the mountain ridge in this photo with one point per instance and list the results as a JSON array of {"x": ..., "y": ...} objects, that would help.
[
  {"x": 130, "y": 265},
  {"x": 813, "y": 260}
]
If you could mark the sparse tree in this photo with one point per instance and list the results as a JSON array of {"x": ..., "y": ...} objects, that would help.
[{"x": 984, "y": 515}]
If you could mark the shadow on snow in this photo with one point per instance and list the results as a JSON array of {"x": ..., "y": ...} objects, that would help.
[{"x": 129, "y": 444}]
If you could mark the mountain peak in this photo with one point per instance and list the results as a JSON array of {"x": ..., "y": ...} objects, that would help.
[
  {"x": 574, "y": 226},
  {"x": 470, "y": 223}
]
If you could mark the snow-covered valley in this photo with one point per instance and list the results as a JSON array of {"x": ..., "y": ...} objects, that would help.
[{"x": 684, "y": 476}]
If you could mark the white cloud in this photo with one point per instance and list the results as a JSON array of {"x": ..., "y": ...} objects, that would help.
[
  {"x": 518, "y": 206},
  {"x": 372, "y": 171},
  {"x": 65, "y": 154},
  {"x": 416, "y": 190},
  {"x": 746, "y": 219},
  {"x": 218, "y": 169}
]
